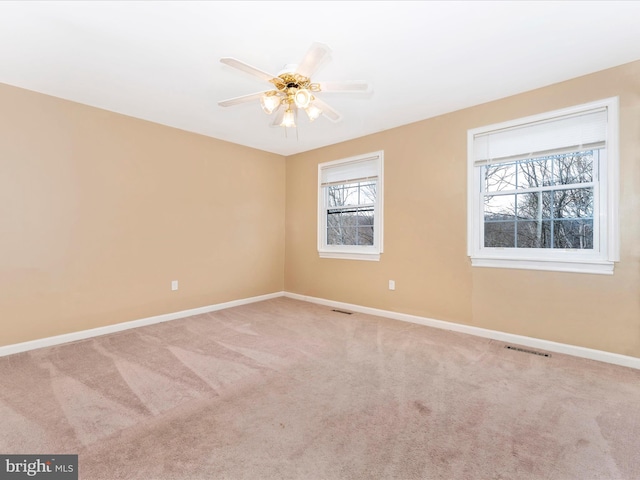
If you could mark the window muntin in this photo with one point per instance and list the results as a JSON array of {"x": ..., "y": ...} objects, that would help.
[
  {"x": 350, "y": 207},
  {"x": 545, "y": 202},
  {"x": 543, "y": 191},
  {"x": 351, "y": 213}
]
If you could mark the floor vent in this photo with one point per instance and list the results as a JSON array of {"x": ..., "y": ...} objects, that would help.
[
  {"x": 524, "y": 350},
  {"x": 342, "y": 311}
]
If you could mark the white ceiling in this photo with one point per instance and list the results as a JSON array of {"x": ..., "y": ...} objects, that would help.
[{"x": 159, "y": 60}]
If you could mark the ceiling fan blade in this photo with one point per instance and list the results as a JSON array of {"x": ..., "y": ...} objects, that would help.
[
  {"x": 279, "y": 116},
  {"x": 256, "y": 72},
  {"x": 330, "y": 87},
  {"x": 315, "y": 56},
  {"x": 243, "y": 99},
  {"x": 327, "y": 111}
]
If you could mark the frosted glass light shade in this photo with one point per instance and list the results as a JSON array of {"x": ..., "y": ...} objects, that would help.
[
  {"x": 288, "y": 120},
  {"x": 302, "y": 98},
  {"x": 313, "y": 112},
  {"x": 269, "y": 103}
]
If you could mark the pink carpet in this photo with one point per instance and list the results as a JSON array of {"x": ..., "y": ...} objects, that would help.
[{"x": 284, "y": 389}]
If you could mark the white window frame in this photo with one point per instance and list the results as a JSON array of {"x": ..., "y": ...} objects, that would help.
[
  {"x": 352, "y": 252},
  {"x": 600, "y": 259}
]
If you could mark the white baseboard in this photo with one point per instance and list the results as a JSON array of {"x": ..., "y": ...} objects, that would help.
[
  {"x": 95, "y": 332},
  {"x": 599, "y": 355}
]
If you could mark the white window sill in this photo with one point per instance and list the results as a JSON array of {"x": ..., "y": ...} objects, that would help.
[
  {"x": 373, "y": 257},
  {"x": 600, "y": 267}
]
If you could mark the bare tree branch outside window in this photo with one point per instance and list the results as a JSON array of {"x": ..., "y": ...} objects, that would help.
[
  {"x": 350, "y": 213},
  {"x": 544, "y": 202}
]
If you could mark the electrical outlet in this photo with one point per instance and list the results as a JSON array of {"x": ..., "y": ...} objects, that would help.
[
  {"x": 174, "y": 284},
  {"x": 392, "y": 284}
]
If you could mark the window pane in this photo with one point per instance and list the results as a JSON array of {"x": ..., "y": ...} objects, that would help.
[
  {"x": 573, "y": 203},
  {"x": 353, "y": 226},
  {"x": 365, "y": 217},
  {"x": 574, "y": 233},
  {"x": 499, "y": 225},
  {"x": 351, "y": 195},
  {"x": 350, "y": 216},
  {"x": 500, "y": 177},
  {"x": 341, "y": 195},
  {"x": 350, "y": 236},
  {"x": 365, "y": 235},
  {"x": 534, "y": 173},
  {"x": 534, "y": 234},
  {"x": 574, "y": 167},
  {"x": 341, "y": 236},
  {"x": 338, "y": 224},
  {"x": 334, "y": 228},
  {"x": 499, "y": 234},
  {"x": 335, "y": 195},
  {"x": 535, "y": 205},
  {"x": 561, "y": 218},
  {"x": 499, "y": 207},
  {"x": 368, "y": 192},
  {"x": 365, "y": 227},
  {"x": 339, "y": 233}
]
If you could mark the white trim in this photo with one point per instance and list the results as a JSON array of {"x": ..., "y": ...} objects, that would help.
[
  {"x": 374, "y": 257},
  {"x": 573, "y": 350},
  {"x": 118, "y": 327},
  {"x": 595, "y": 267},
  {"x": 613, "y": 182},
  {"x": 576, "y": 351},
  {"x": 353, "y": 252},
  {"x": 601, "y": 259}
]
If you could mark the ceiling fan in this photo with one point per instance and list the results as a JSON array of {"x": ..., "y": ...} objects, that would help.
[{"x": 293, "y": 89}]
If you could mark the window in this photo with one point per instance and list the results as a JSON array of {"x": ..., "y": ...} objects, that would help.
[
  {"x": 350, "y": 207},
  {"x": 543, "y": 191}
]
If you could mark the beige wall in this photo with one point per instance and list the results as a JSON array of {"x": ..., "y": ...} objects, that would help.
[
  {"x": 99, "y": 212},
  {"x": 425, "y": 231}
]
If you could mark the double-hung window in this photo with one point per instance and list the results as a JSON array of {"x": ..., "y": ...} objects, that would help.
[
  {"x": 543, "y": 191},
  {"x": 350, "y": 207}
]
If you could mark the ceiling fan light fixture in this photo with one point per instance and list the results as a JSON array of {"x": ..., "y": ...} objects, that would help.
[
  {"x": 313, "y": 112},
  {"x": 289, "y": 119},
  {"x": 269, "y": 102},
  {"x": 294, "y": 89},
  {"x": 302, "y": 98}
]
